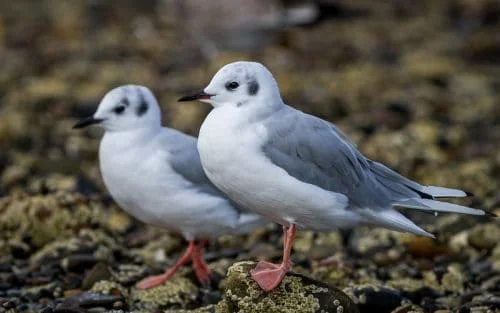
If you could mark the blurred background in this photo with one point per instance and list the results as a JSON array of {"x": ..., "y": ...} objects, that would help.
[{"x": 416, "y": 84}]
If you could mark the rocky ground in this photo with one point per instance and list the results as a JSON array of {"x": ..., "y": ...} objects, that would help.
[{"x": 415, "y": 84}]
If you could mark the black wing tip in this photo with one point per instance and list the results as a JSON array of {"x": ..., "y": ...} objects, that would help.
[
  {"x": 491, "y": 214},
  {"x": 469, "y": 194}
]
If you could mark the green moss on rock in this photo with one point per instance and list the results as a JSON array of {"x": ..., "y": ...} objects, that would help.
[
  {"x": 295, "y": 294},
  {"x": 178, "y": 291},
  {"x": 44, "y": 218}
]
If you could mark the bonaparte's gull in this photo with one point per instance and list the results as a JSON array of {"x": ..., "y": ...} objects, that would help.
[{"x": 297, "y": 169}]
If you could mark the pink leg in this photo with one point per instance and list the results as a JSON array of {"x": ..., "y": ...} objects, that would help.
[
  {"x": 201, "y": 268},
  {"x": 269, "y": 275},
  {"x": 153, "y": 281}
]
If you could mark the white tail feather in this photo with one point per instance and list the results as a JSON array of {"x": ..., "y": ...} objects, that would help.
[
  {"x": 436, "y": 206},
  {"x": 393, "y": 220},
  {"x": 442, "y": 192}
]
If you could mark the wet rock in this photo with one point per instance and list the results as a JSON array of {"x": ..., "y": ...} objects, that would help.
[
  {"x": 88, "y": 300},
  {"x": 375, "y": 299},
  {"x": 296, "y": 293},
  {"x": 78, "y": 262},
  {"x": 41, "y": 291}
]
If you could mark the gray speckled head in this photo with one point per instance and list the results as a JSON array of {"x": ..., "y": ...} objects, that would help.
[
  {"x": 128, "y": 107},
  {"x": 242, "y": 83}
]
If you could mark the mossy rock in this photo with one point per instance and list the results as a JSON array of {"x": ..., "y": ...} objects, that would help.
[
  {"x": 178, "y": 292},
  {"x": 297, "y": 294},
  {"x": 44, "y": 218}
]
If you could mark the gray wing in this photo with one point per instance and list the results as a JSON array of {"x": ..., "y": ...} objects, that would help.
[
  {"x": 185, "y": 160},
  {"x": 314, "y": 151}
]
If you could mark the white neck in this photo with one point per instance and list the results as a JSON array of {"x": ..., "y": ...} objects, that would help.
[{"x": 127, "y": 138}]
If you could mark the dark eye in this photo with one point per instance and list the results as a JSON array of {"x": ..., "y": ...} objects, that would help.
[
  {"x": 119, "y": 109},
  {"x": 232, "y": 86}
]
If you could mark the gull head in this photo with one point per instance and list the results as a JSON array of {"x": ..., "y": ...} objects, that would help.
[
  {"x": 239, "y": 84},
  {"x": 125, "y": 108}
]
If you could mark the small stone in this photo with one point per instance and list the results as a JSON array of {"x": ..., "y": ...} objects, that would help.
[
  {"x": 88, "y": 300},
  {"x": 19, "y": 249},
  {"x": 128, "y": 274},
  {"x": 72, "y": 292},
  {"x": 454, "y": 279},
  {"x": 119, "y": 222},
  {"x": 99, "y": 272},
  {"x": 419, "y": 247},
  {"x": 484, "y": 236},
  {"x": 79, "y": 262},
  {"x": 106, "y": 287}
]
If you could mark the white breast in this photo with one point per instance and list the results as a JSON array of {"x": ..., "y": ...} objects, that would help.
[{"x": 125, "y": 170}]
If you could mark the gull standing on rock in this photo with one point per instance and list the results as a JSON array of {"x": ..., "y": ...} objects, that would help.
[
  {"x": 154, "y": 173},
  {"x": 297, "y": 169}
]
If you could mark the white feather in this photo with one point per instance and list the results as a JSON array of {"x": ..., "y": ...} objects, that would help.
[
  {"x": 393, "y": 220},
  {"x": 442, "y": 192},
  {"x": 439, "y": 206}
]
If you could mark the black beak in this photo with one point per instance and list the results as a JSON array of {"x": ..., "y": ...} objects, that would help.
[
  {"x": 200, "y": 95},
  {"x": 87, "y": 121}
]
